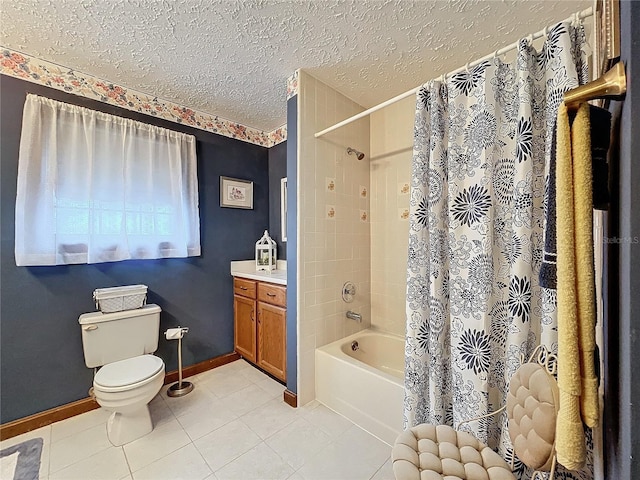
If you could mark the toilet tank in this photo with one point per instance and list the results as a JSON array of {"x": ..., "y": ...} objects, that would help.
[{"x": 109, "y": 337}]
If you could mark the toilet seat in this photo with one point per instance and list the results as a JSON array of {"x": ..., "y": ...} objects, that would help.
[{"x": 129, "y": 373}]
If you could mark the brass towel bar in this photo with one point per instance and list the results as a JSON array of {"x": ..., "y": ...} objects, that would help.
[{"x": 612, "y": 84}]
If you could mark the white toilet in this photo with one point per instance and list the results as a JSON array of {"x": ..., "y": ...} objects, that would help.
[{"x": 122, "y": 343}]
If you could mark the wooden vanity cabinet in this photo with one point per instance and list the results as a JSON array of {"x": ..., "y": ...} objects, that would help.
[
  {"x": 244, "y": 318},
  {"x": 260, "y": 318},
  {"x": 272, "y": 329}
]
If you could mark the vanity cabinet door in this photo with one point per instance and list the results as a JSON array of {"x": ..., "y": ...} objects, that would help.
[
  {"x": 272, "y": 339},
  {"x": 244, "y": 318}
]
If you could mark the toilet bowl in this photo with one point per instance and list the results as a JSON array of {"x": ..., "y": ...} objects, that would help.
[
  {"x": 121, "y": 344},
  {"x": 125, "y": 388}
]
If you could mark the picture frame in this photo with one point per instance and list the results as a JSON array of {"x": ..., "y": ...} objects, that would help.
[{"x": 236, "y": 193}]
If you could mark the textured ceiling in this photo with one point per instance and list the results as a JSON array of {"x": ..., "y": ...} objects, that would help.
[{"x": 232, "y": 58}]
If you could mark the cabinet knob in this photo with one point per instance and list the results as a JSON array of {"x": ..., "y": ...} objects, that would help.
[
  {"x": 252, "y": 315},
  {"x": 271, "y": 294},
  {"x": 243, "y": 288}
]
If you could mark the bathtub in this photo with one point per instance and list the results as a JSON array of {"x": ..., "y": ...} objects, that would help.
[{"x": 366, "y": 385}]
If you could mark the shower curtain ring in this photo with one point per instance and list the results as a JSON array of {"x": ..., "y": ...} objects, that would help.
[
  {"x": 545, "y": 32},
  {"x": 466, "y": 67},
  {"x": 530, "y": 39},
  {"x": 576, "y": 19}
]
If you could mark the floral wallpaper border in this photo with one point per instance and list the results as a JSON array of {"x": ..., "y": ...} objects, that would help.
[{"x": 49, "y": 74}]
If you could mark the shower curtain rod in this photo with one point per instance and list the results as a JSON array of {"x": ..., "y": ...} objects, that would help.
[{"x": 583, "y": 14}]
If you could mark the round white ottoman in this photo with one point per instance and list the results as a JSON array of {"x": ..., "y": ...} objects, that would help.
[{"x": 438, "y": 452}]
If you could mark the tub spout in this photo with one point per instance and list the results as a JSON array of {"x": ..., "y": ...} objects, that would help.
[{"x": 354, "y": 316}]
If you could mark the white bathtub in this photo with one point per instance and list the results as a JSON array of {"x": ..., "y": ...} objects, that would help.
[{"x": 365, "y": 385}]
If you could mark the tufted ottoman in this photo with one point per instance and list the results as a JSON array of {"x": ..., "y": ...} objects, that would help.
[{"x": 435, "y": 452}]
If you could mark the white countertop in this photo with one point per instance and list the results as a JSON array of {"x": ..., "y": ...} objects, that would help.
[{"x": 247, "y": 269}]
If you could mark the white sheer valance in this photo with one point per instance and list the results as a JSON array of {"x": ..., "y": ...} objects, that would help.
[{"x": 93, "y": 187}]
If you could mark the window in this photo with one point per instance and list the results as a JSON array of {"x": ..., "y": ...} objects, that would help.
[{"x": 94, "y": 187}]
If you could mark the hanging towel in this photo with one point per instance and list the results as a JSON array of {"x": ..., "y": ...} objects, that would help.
[
  {"x": 600, "y": 120},
  {"x": 586, "y": 302},
  {"x": 547, "y": 276},
  {"x": 570, "y": 441},
  {"x": 576, "y": 287}
]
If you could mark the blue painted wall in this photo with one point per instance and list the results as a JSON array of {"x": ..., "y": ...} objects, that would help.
[
  {"x": 277, "y": 171},
  {"x": 41, "y": 358}
]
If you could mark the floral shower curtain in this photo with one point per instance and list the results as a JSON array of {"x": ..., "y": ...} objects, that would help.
[{"x": 481, "y": 147}]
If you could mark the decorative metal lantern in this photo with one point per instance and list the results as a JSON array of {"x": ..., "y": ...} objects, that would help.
[{"x": 266, "y": 253}]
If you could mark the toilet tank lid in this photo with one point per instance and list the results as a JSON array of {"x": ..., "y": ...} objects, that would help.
[{"x": 97, "y": 317}]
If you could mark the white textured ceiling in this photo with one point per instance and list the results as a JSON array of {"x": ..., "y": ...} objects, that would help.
[{"x": 232, "y": 58}]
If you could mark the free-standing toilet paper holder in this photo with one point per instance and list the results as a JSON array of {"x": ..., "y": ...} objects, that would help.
[{"x": 179, "y": 388}]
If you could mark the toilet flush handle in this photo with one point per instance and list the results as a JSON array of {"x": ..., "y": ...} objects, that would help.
[{"x": 89, "y": 328}]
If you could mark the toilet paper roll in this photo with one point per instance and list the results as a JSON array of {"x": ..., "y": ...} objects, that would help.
[{"x": 173, "y": 333}]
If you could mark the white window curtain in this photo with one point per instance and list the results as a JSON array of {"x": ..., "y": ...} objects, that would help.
[{"x": 95, "y": 188}]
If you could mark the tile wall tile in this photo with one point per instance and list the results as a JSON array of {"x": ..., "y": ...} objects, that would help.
[
  {"x": 391, "y": 151},
  {"x": 334, "y": 241}
]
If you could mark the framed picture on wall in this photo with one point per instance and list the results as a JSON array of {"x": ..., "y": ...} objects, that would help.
[{"x": 236, "y": 193}]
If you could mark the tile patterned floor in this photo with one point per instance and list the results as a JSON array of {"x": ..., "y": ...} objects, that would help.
[{"x": 233, "y": 426}]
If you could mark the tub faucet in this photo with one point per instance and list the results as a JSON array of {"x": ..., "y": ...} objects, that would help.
[{"x": 354, "y": 316}]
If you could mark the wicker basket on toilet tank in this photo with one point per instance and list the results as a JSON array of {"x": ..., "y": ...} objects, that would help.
[{"x": 117, "y": 299}]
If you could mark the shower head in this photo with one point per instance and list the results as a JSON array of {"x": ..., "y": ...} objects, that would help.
[{"x": 359, "y": 155}]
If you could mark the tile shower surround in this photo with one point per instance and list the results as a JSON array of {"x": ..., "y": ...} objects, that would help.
[
  {"x": 391, "y": 152},
  {"x": 334, "y": 227}
]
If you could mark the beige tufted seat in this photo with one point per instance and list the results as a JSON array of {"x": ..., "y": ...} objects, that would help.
[
  {"x": 532, "y": 408},
  {"x": 430, "y": 452}
]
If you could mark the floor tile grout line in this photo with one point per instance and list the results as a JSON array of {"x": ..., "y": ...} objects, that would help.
[
  {"x": 203, "y": 459},
  {"x": 224, "y": 465},
  {"x": 126, "y": 459},
  {"x": 262, "y": 440},
  {"x": 165, "y": 455},
  {"x": 84, "y": 458},
  {"x": 380, "y": 468},
  {"x": 282, "y": 427},
  {"x": 73, "y": 433},
  {"x": 255, "y": 446},
  {"x": 49, "y": 455},
  {"x": 280, "y": 457}
]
